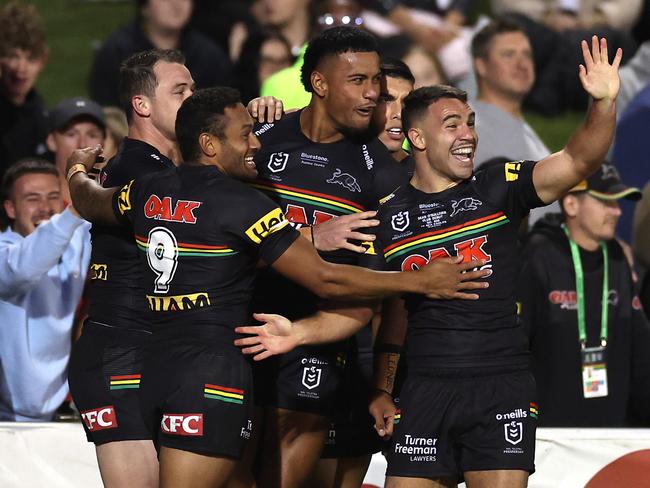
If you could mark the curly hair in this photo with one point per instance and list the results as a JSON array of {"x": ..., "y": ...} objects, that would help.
[{"x": 22, "y": 27}]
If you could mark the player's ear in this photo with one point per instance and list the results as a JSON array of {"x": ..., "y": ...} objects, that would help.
[
  {"x": 208, "y": 144},
  {"x": 570, "y": 205},
  {"x": 318, "y": 83},
  {"x": 416, "y": 138},
  {"x": 140, "y": 105},
  {"x": 10, "y": 210},
  {"x": 480, "y": 67},
  {"x": 50, "y": 142}
]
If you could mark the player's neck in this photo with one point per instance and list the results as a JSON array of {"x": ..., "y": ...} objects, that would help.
[
  {"x": 153, "y": 137},
  {"x": 317, "y": 126},
  {"x": 399, "y": 155},
  {"x": 429, "y": 180},
  {"x": 509, "y": 104},
  {"x": 581, "y": 237}
]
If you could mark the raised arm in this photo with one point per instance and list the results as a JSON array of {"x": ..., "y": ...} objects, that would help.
[
  {"x": 93, "y": 202},
  {"x": 584, "y": 153},
  {"x": 441, "y": 278}
]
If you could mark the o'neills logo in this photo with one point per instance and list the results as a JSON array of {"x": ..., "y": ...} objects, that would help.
[
  {"x": 100, "y": 418},
  {"x": 520, "y": 413},
  {"x": 182, "y": 424}
]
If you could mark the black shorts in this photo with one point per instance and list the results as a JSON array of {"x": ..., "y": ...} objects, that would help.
[
  {"x": 352, "y": 432},
  {"x": 197, "y": 396},
  {"x": 104, "y": 376},
  {"x": 306, "y": 379},
  {"x": 449, "y": 425}
]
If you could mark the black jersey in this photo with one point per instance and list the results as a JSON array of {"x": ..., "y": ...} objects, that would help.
[
  {"x": 116, "y": 298},
  {"x": 476, "y": 219},
  {"x": 313, "y": 182},
  {"x": 547, "y": 290},
  {"x": 200, "y": 235}
]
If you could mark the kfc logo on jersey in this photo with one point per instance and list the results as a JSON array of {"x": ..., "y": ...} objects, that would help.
[
  {"x": 278, "y": 161},
  {"x": 464, "y": 205},
  {"x": 311, "y": 376},
  {"x": 161, "y": 209},
  {"x": 100, "y": 418},
  {"x": 514, "y": 432},
  {"x": 189, "y": 424},
  {"x": 346, "y": 180},
  {"x": 400, "y": 221}
]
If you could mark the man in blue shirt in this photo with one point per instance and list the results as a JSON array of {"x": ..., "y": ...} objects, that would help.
[{"x": 44, "y": 256}]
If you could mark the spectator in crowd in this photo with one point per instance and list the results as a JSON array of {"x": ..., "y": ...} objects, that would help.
[
  {"x": 23, "y": 55},
  {"x": 285, "y": 84},
  {"x": 159, "y": 24},
  {"x": 420, "y": 63},
  {"x": 292, "y": 19},
  {"x": 554, "y": 28},
  {"x": 630, "y": 154},
  {"x": 44, "y": 256},
  {"x": 117, "y": 129},
  {"x": 503, "y": 64},
  {"x": 589, "y": 339},
  {"x": 641, "y": 241},
  {"x": 74, "y": 123},
  {"x": 263, "y": 54}
]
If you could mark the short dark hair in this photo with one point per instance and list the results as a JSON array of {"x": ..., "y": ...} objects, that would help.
[
  {"x": 203, "y": 112},
  {"x": 22, "y": 27},
  {"x": 483, "y": 38},
  {"x": 334, "y": 41},
  {"x": 24, "y": 167},
  {"x": 396, "y": 68},
  {"x": 417, "y": 102},
  {"x": 138, "y": 78}
]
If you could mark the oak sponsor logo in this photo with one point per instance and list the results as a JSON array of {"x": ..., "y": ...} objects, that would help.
[
  {"x": 186, "y": 424},
  {"x": 178, "y": 303},
  {"x": 161, "y": 209},
  {"x": 568, "y": 299},
  {"x": 124, "y": 198},
  {"x": 98, "y": 271},
  {"x": 470, "y": 249},
  {"x": 267, "y": 225},
  {"x": 100, "y": 418},
  {"x": 418, "y": 449}
]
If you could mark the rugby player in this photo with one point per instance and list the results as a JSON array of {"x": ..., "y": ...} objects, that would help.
[
  {"x": 467, "y": 408},
  {"x": 200, "y": 233}
]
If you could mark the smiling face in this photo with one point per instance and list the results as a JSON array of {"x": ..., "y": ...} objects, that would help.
[
  {"x": 235, "y": 150},
  {"x": 447, "y": 137},
  {"x": 388, "y": 114},
  {"x": 508, "y": 67},
  {"x": 349, "y": 85},
  {"x": 33, "y": 199}
]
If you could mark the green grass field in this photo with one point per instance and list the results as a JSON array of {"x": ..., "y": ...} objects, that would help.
[{"x": 76, "y": 27}]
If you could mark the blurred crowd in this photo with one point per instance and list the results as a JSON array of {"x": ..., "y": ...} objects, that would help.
[{"x": 521, "y": 57}]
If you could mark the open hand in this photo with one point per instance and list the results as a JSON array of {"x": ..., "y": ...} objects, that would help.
[
  {"x": 336, "y": 233},
  {"x": 598, "y": 77},
  {"x": 446, "y": 277},
  {"x": 275, "y": 336}
]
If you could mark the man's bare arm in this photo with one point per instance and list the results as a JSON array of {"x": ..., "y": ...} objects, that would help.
[
  {"x": 584, "y": 153},
  {"x": 442, "y": 278},
  {"x": 91, "y": 201}
]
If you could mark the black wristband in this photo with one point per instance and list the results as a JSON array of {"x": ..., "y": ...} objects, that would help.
[{"x": 388, "y": 348}]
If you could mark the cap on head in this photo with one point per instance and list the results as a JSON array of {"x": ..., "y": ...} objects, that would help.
[
  {"x": 606, "y": 184},
  {"x": 72, "y": 108}
]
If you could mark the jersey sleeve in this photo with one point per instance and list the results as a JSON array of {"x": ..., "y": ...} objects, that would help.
[
  {"x": 262, "y": 226},
  {"x": 510, "y": 187},
  {"x": 124, "y": 202}
]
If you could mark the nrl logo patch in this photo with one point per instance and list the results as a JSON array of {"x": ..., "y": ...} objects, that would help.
[
  {"x": 278, "y": 161},
  {"x": 400, "y": 221},
  {"x": 464, "y": 205},
  {"x": 514, "y": 432},
  {"x": 311, "y": 377}
]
